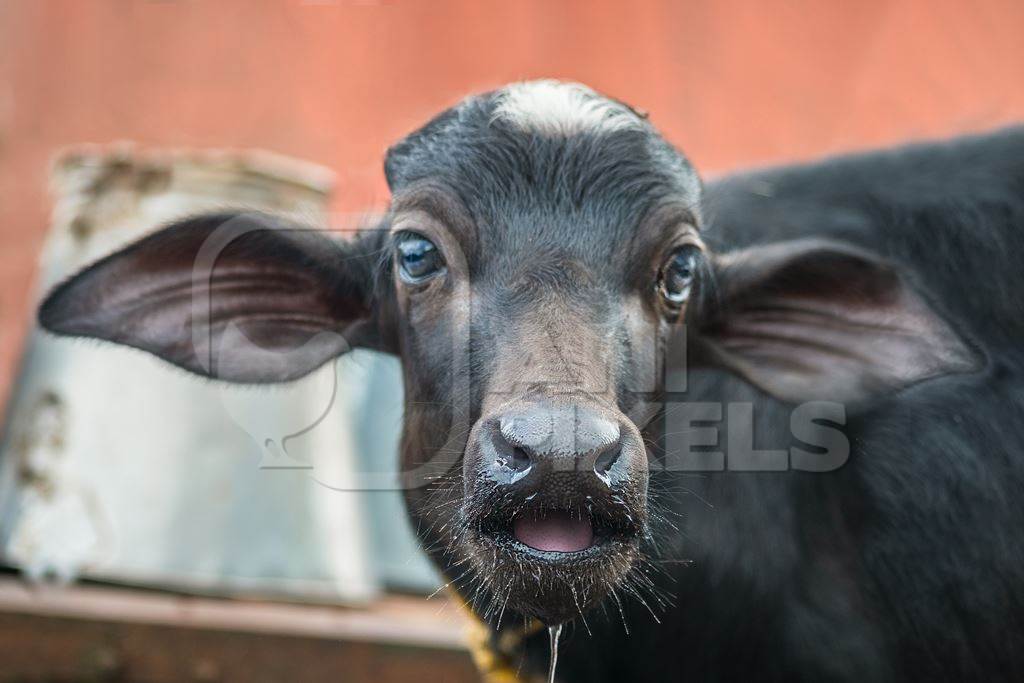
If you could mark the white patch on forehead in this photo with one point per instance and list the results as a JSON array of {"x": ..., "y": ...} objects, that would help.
[{"x": 556, "y": 108}]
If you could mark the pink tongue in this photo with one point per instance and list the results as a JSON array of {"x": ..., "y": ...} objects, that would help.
[{"x": 558, "y": 532}]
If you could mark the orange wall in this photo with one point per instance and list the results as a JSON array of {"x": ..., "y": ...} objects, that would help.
[{"x": 733, "y": 83}]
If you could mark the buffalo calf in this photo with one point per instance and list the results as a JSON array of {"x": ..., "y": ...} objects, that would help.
[{"x": 764, "y": 430}]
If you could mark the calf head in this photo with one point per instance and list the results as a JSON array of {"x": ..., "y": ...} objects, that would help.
[{"x": 542, "y": 243}]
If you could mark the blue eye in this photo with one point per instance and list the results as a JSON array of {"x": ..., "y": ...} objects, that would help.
[
  {"x": 418, "y": 258},
  {"x": 678, "y": 274}
]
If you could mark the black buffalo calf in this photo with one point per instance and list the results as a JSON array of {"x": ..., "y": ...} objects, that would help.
[{"x": 764, "y": 430}]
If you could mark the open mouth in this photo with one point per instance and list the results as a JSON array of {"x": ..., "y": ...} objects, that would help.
[
  {"x": 555, "y": 547},
  {"x": 557, "y": 532},
  {"x": 553, "y": 563},
  {"x": 560, "y": 536}
]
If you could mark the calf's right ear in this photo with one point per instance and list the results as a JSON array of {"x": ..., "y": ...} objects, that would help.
[{"x": 242, "y": 297}]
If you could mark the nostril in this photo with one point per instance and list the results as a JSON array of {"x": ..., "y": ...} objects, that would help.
[
  {"x": 519, "y": 460},
  {"x": 605, "y": 460},
  {"x": 512, "y": 459}
]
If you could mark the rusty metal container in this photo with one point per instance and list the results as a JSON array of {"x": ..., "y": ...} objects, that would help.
[{"x": 119, "y": 467}]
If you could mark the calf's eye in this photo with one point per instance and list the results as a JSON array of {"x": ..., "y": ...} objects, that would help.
[
  {"x": 678, "y": 274},
  {"x": 418, "y": 258}
]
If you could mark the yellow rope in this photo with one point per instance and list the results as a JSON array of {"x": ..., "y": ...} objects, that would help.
[{"x": 494, "y": 664}]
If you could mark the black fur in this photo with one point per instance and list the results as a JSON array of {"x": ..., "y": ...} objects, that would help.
[{"x": 907, "y": 563}]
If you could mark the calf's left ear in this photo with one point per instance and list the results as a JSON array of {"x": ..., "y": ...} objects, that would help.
[
  {"x": 815, "y": 319},
  {"x": 242, "y": 297}
]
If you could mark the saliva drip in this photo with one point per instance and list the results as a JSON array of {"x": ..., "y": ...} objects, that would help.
[{"x": 554, "y": 632}]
